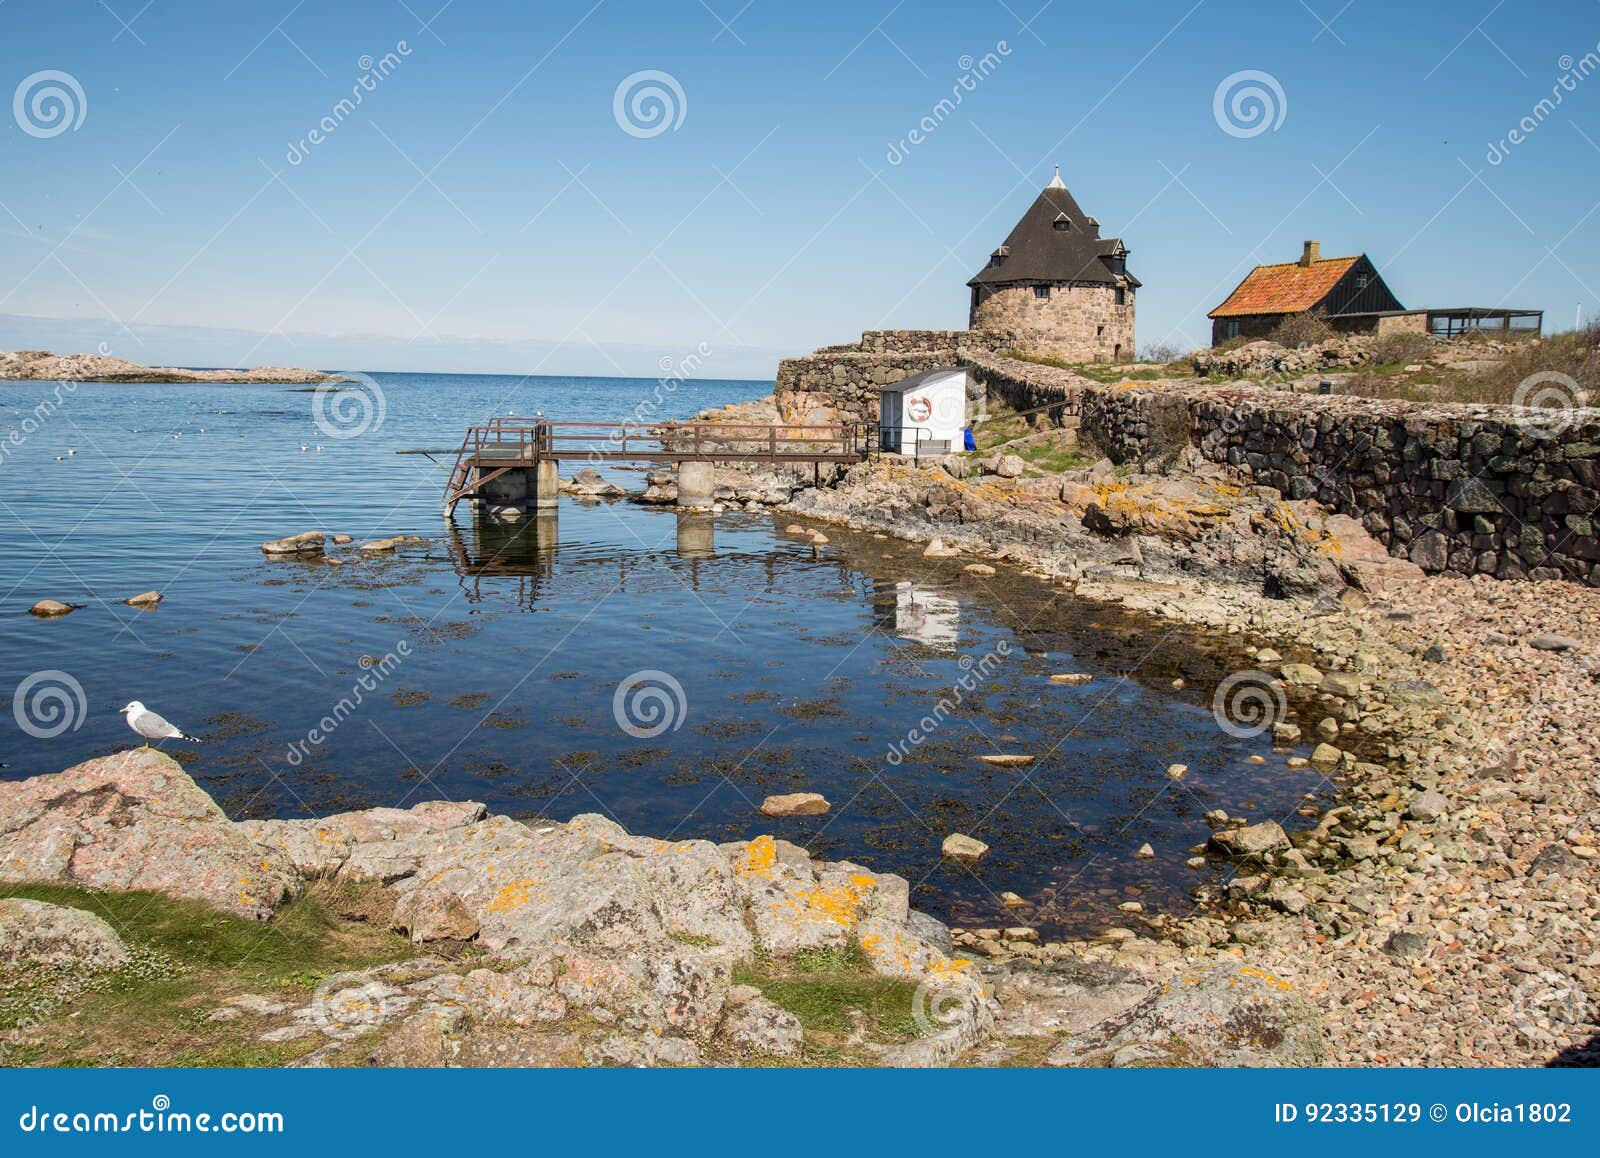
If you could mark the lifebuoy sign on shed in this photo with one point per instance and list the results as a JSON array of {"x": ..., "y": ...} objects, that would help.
[{"x": 924, "y": 414}]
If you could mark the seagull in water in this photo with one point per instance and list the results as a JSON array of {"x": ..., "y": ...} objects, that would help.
[{"x": 151, "y": 726}]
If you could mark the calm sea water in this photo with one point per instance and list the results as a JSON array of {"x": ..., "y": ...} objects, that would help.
[{"x": 499, "y": 652}]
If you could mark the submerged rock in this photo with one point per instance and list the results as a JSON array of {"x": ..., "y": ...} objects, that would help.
[
  {"x": 795, "y": 804},
  {"x": 51, "y": 608},
  {"x": 305, "y": 543},
  {"x": 1007, "y": 759},
  {"x": 959, "y": 846}
]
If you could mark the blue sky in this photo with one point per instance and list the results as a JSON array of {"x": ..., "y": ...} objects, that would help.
[{"x": 483, "y": 208}]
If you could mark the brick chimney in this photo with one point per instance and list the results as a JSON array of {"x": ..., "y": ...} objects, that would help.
[{"x": 1311, "y": 253}]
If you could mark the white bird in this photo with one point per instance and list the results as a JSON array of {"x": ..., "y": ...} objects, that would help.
[
  {"x": 302, "y": 448},
  {"x": 71, "y": 451},
  {"x": 151, "y": 726}
]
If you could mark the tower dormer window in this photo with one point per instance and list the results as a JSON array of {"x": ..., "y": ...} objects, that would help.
[
  {"x": 1062, "y": 223},
  {"x": 999, "y": 256}
]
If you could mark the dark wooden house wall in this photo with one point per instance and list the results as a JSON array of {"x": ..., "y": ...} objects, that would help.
[{"x": 1346, "y": 298}]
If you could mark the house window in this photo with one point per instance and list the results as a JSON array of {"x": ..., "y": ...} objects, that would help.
[
  {"x": 1122, "y": 296},
  {"x": 1041, "y": 291},
  {"x": 1361, "y": 281},
  {"x": 1230, "y": 329}
]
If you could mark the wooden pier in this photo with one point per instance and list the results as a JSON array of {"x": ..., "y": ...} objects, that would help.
[{"x": 512, "y": 462}]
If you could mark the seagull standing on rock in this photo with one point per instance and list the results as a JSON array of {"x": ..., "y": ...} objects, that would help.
[{"x": 151, "y": 726}]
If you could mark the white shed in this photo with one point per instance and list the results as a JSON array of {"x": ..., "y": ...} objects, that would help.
[{"x": 924, "y": 414}]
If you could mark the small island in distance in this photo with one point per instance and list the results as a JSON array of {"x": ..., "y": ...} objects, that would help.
[{"x": 42, "y": 365}]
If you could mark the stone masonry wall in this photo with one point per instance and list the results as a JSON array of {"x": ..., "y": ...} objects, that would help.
[
  {"x": 841, "y": 383},
  {"x": 1081, "y": 323},
  {"x": 1026, "y": 385},
  {"x": 1462, "y": 489}
]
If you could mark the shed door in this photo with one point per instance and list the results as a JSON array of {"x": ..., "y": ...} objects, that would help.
[{"x": 889, "y": 426}]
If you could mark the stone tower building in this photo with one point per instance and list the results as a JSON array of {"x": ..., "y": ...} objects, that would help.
[{"x": 1057, "y": 285}]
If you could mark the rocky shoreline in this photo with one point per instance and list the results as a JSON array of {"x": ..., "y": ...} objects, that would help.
[
  {"x": 43, "y": 366},
  {"x": 1443, "y": 912},
  {"x": 535, "y": 943}
]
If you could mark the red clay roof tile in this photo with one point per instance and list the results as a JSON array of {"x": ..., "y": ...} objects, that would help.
[{"x": 1286, "y": 288}]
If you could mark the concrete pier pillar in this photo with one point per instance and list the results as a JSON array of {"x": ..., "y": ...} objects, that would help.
[
  {"x": 546, "y": 535},
  {"x": 546, "y": 493},
  {"x": 503, "y": 498},
  {"x": 697, "y": 484},
  {"x": 697, "y": 536}
]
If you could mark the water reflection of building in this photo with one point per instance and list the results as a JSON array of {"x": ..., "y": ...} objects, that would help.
[{"x": 920, "y": 615}]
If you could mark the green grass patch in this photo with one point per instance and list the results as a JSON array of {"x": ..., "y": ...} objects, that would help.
[
  {"x": 185, "y": 960},
  {"x": 840, "y": 1002},
  {"x": 1052, "y": 456}
]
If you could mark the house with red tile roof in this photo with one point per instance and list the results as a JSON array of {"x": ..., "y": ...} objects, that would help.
[{"x": 1348, "y": 290}]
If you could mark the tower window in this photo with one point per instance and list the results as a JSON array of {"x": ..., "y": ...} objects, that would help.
[
  {"x": 1041, "y": 291},
  {"x": 1099, "y": 331},
  {"x": 1122, "y": 296}
]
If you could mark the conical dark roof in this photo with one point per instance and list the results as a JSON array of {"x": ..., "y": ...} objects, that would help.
[{"x": 1036, "y": 250}]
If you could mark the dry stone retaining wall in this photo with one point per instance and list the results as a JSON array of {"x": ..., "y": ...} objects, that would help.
[
  {"x": 841, "y": 383},
  {"x": 1463, "y": 489}
]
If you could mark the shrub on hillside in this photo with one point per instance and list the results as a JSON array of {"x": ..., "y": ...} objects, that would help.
[
  {"x": 1162, "y": 352},
  {"x": 1300, "y": 330},
  {"x": 1403, "y": 348}
]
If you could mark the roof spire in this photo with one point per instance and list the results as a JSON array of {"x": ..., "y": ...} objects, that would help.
[{"x": 1055, "y": 182}]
